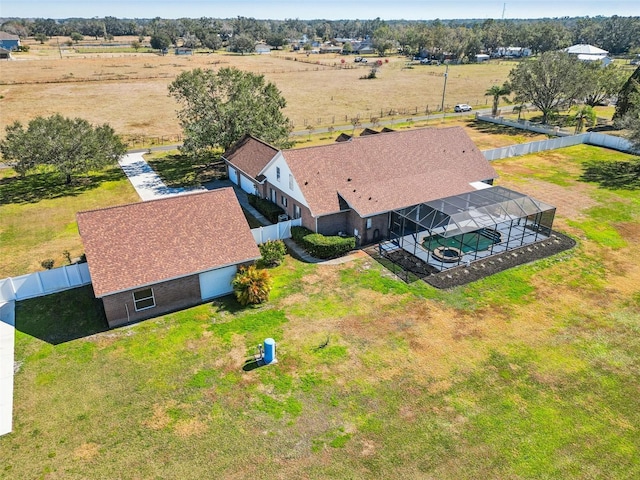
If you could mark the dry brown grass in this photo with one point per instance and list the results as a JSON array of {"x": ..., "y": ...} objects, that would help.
[{"x": 129, "y": 91}]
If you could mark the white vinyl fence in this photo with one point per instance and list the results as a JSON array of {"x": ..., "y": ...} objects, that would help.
[
  {"x": 279, "y": 231},
  {"x": 563, "y": 139},
  {"x": 45, "y": 282}
]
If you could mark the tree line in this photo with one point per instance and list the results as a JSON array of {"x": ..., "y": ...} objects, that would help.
[{"x": 458, "y": 38}]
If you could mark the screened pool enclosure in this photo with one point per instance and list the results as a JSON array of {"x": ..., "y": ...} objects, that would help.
[{"x": 463, "y": 228}]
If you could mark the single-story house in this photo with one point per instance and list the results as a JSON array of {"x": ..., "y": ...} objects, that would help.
[
  {"x": 9, "y": 41},
  {"x": 262, "y": 49},
  {"x": 353, "y": 186},
  {"x": 330, "y": 49},
  {"x": 5, "y": 54},
  {"x": 183, "y": 51},
  {"x": 153, "y": 257},
  {"x": 589, "y": 53},
  {"x": 482, "y": 57}
]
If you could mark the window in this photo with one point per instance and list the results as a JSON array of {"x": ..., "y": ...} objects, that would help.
[
  {"x": 296, "y": 211},
  {"x": 143, "y": 299},
  {"x": 290, "y": 182},
  {"x": 278, "y": 173},
  {"x": 284, "y": 201},
  {"x": 368, "y": 224}
]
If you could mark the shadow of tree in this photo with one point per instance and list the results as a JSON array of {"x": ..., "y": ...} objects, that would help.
[
  {"x": 47, "y": 184},
  {"x": 61, "y": 317},
  {"x": 613, "y": 175},
  {"x": 179, "y": 170}
]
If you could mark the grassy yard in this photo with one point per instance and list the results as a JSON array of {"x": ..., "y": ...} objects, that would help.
[
  {"x": 531, "y": 373},
  {"x": 38, "y": 214}
]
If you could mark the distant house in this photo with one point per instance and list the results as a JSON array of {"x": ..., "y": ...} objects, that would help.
[
  {"x": 512, "y": 52},
  {"x": 482, "y": 57},
  {"x": 9, "y": 42},
  {"x": 5, "y": 54},
  {"x": 330, "y": 49},
  {"x": 589, "y": 53},
  {"x": 263, "y": 49},
  {"x": 183, "y": 51},
  {"x": 153, "y": 257}
]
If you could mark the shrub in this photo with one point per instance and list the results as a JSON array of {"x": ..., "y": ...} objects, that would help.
[
  {"x": 273, "y": 252},
  {"x": 321, "y": 246},
  {"x": 252, "y": 285},
  {"x": 266, "y": 208},
  {"x": 48, "y": 263}
]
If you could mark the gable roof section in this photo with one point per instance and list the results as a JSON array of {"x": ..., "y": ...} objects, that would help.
[
  {"x": 388, "y": 171},
  {"x": 145, "y": 243},
  {"x": 585, "y": 49},
  {"x": 250, "y": 155}
]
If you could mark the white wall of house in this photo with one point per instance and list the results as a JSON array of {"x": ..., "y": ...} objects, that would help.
[{"x": 287, "y": 186}]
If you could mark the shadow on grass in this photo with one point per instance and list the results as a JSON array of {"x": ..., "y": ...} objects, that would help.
[
  {"x": 61, "y": 317},
  {"x": 252, "y": 364},
  {"x": 613, "y": 175},
  {"x": 48, "y": 184},
  {"x": 178, "y": 170},
  {"x": 228, "y": 304}
]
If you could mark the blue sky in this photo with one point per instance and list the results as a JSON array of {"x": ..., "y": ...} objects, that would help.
[{"x": 329, "y": 9}]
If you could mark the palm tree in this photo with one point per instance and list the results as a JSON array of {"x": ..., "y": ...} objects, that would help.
[
  {"x": 585, "y": 114},
  {"x": 498, "y": 92}
]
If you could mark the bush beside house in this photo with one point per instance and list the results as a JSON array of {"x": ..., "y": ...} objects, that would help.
[
  {"x": 321, "y": 246},
  {"x": 266, "y": 208}
]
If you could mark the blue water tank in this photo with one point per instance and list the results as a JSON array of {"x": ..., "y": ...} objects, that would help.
[{"x": 269, "y": 350}]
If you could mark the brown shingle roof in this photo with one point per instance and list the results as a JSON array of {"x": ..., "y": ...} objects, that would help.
[
  {"x": 389, "y": 170},
  {"x": 148, "y": 242},
  {"x": 250, "y": 155}
]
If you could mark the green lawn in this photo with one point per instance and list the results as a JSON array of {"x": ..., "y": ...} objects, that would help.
[
  {"x": 38, "y": 214},
  {"x": 531, "y": 373}
]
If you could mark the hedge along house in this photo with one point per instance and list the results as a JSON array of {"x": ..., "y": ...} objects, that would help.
[
  {"x": 150, "y": 258},
  {"x": 352, "y": 187}
]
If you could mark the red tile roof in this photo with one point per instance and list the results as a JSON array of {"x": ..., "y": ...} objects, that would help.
[
  {"x": 145, "y": 243},
  {"x": 250, "y": 155},
  {"x": 388, "y": 171}
]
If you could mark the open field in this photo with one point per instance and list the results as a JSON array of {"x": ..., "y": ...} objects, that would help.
[
  {"x": 530, "y": 373},
  {"x": 129, "y": 91}
]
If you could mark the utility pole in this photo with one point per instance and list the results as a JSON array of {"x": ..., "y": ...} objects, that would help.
[
  {"x": 444, "y": 89},
  {"x": 504, "y": 7}
]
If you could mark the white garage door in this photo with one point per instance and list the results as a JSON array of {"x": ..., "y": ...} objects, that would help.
[
  {"x": 216, "y": 283},
  {"x": 247, "y": 185},
  {"x": 233, "y": 175}
]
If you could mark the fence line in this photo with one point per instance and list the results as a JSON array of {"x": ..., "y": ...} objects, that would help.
[
  {"x": 564, "y": 139},
  {"x": 43, "y": 283},
  {"x": 278, "y": 231}
]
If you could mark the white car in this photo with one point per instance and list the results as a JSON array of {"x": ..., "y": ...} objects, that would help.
[{"x": 462, "y": 107}]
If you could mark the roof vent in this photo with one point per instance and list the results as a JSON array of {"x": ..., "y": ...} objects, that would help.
[
  {"x": 306, "y": 183},
  {"x": 349, "y": 179},
  {"x": 369, "y": 198},
  {"x": 354, "y": 190}
]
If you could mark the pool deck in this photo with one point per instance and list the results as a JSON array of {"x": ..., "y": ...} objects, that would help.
[{"x": 409, "y": 244}]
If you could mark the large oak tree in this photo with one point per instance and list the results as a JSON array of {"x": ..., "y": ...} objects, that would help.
[
  {"x": 72, "y": 146},
  {"x": 552, "y": 81},
  {"x": 218, "y": 108}
]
